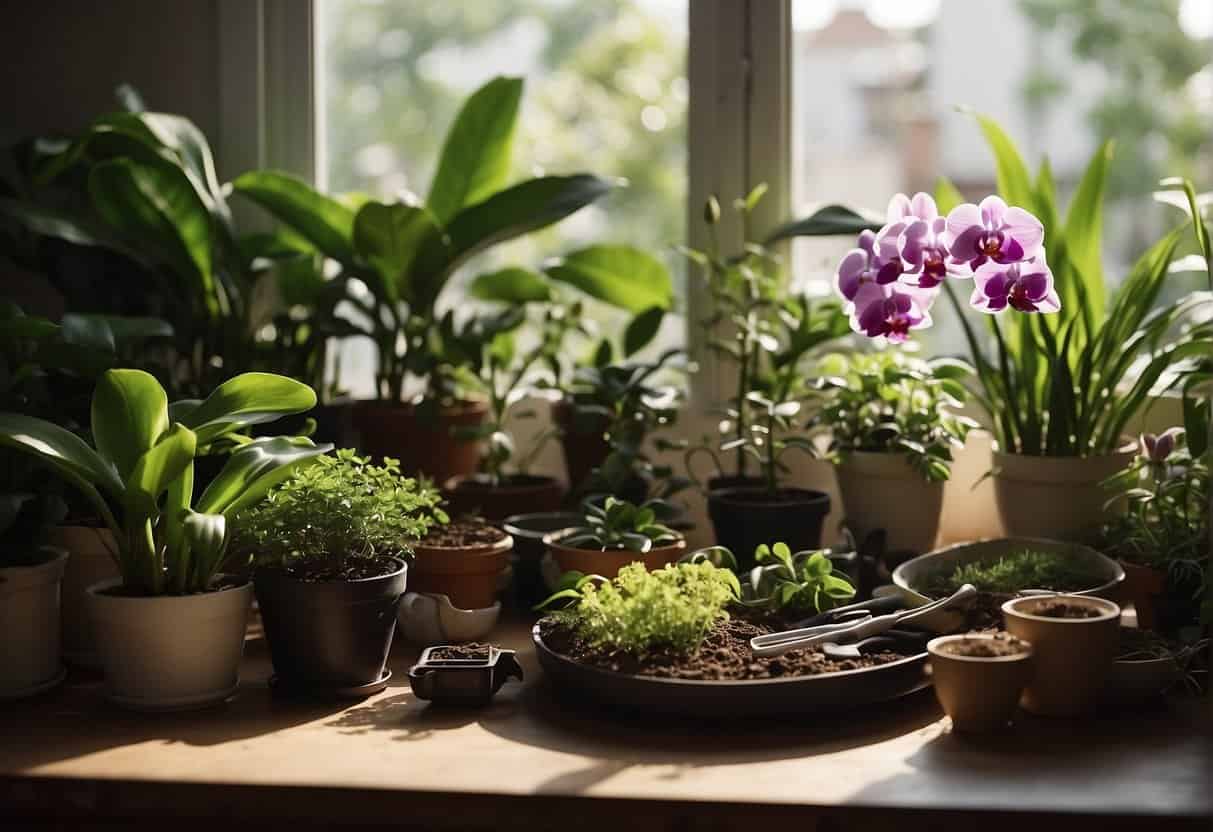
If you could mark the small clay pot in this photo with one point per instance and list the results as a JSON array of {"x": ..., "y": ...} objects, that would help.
[
  {"x": 514, "y": 494},
  {"x": 467, "y": 575},
  {"x": 1143, "y": 587},
  {"x": 1074, "y": 656},
  {"x": 746, "y": 517},
  {"x": 583, "y": 440},
  {"x": 979, "y": 692},
  {"x": 424, "y": 446},
  {"x": 608, "y": 564}
]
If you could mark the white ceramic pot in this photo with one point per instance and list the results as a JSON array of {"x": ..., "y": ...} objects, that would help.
[
  {"x": 90, "y": 560},
  {"x": 1057, "y": 497},
  {"x": 29, "y": 627},
  {"x": 170, "y": 652},
  {"x": 427, "y": 618},
  {"x": 883, "y": 491}
]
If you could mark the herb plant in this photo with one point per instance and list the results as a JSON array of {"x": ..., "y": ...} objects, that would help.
[
  {"x": 620, "y": 525},
  {"x": 888, "y": 402},
  {"x": 334, "y": 513},
  {"x": 671, "y": 608},
  {"x": 782, "y": 581},
  {"x": 1026, "y": 569}
]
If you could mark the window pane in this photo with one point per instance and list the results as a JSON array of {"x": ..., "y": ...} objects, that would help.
[
  {"x": 877, "y": 84},
  {"x": 606, "y": 92}
]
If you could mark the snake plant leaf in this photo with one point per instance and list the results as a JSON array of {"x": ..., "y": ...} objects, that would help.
[
  {"x": 63, "y": 451},
  {"x": 510, "y": 285},
  {"x": 255, "y": 468},
  {"x": 157, "y": 468},
  {"x": 325, "y": 222},
  {"x": 827, "y": 221},
  {"x": 623, "y": 276},
  {"x": 248, "y": 399},
  {"x": 129, "y": 414},
  {"x": 475, "y": 157},
  {"x": 389, "y": 237}
]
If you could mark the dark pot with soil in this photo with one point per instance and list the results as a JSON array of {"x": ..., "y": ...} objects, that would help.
[
  {"x": 497, "y": 499},
  {"x": 528, "y": 531},
  {"x": 583, "y": 440},
  {"x": 747, "y": 517},
  {"x": 330, "y": 627},
  {"x": 464, "y": 561},
  {"x": 426, "y": 439}
]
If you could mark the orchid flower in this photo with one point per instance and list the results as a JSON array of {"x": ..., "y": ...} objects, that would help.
[
  {"x": 891, "y": 311},
  {"x": 864, "y": 266},
  {"x": 993, "y": 231},
  {"x": 1156, "y": 449},
  {"x": 919, "y": 238},
  {"x": 1025, "y": 286}
]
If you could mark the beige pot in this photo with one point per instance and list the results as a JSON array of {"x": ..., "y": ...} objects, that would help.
[
  {"x": 90, "y": 561},
  {"x": 979, "y": 693},
  {"x": 29, "y": 626},
  {"x": 170, "y": 652},
  {"x": 883, "y": 491},
  {"x": 1055, "y": 497},
  {"x": 1074, "y": 656}
]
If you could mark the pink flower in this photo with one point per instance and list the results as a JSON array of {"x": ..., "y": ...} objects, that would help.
[
  {"x": 865, "y": 265},
  {"x": 919, "y": 236},
  {"x": 891, "y": 311},
  {"x": 1026, "y": 286},
  {"x": 1158, "y": 448},
  {"x": 992, "y": 231}
]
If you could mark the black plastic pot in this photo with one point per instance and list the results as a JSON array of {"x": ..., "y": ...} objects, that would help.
[
  {"x": 528, "y": 531},
  {"x": 328, "y": 635},
  {"x": 746, "y": 517}
]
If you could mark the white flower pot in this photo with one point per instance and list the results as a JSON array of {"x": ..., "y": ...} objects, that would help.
[
  {"x": 429, "y": 618},
  {"x": 1056, "y": 497},
  {"x": 89, "y": 561},
  {"x": 29, "y": 627},
  {"x": 883, "y": 491},
  {"x": 170, "y": 652}
]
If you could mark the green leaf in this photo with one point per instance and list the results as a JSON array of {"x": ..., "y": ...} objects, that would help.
[
  {"x": 248, "y": 399},
  {"x": 129, "y": 414},
  {"x": 510, "y": 285},
  {"x": 49, "y": 222},
  {"x": 389, "y": 237},
  {"x": 641, "y": 330},
  {"x": 832, "y": 220},
  {"x": 323, "y": 221},
  {"x": 622, "y": 276},
  {"x": 947, "y": 196},
  {"x": 1084, "y": 221},
  {"x": 1014, "y": 181},
  {"x": 65, "y": 452},
  {"x": 157, "y": 469},
  {"x": 255, "y": 468},
  {"x": 206, "y": 536},
  {"x": 475, "y": 158}
]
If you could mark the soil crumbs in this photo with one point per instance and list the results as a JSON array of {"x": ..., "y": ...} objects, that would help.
[
  {"x": 1064, "y": 609},
  {"x": 462, "y": 533},
  {"x": 1002, "y": 644},
  {"x": 724, "y": 656},
  {"x": 471, "y": 650}
]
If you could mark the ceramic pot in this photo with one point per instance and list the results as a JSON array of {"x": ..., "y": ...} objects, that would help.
[
  {"x": 469, "y": 576},
  {"x": 1074, "y": 656},
  {"x": 1054, "y": 497},
  {"x": 30, "y": 659},
  {"x": 170, "y": 652},
  {"x": 583, "y": 440},
  {"x": 979, "y": 693},
  {"x": 1143, "y": 587},
  {"x": 745, "y": 517},
  {"x": 329, "y": 634},
  {"x": 884, "y": 492},
  {"x": 608, "y": 564},
  {"x": 528, "y": 531},
  {"x": 430, "y": 618},
  {"x": 423, "y": 446},
  {"x": 90, "y": 560},
  {"x": 476, "y": 495}
]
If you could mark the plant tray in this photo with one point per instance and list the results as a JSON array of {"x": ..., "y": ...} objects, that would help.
[{"x": 824, "y": 692}]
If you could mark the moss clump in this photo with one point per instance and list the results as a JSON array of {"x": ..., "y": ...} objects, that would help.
[{"x": 1026, "y": 569}]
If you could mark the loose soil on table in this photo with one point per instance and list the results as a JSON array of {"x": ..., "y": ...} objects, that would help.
[
  {"x": 724, "y": 656},
  {"x": 342, "y": 569},
  {"x": 461, "y": 534},
  {"x": 471, "y": 650},
  {"x": 1063, "y": 609},
  {"x": 1003, "y": 644}
]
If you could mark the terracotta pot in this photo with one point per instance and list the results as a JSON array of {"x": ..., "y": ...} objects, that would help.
[
  {"x": 29, "y": 626},
  {"x": 608, "y": 564},
  {"x": 515, "y": 494},
  {"x": 90, "y": 560},
  {"x": 422, "y": 446},
  {"x": 979, "y": 693},
  {"x": 170, "y": 652},
  {"x": 1142, "y": 588},
  {"x": 468, "y": 576},
  {"x": 583, "y": 442},
  {"x": 1074, "y": 656},
  {"x": 745, "y": 517},
  {"x": 1054, "y": 497},
  {"x": 884, "y": 492}
]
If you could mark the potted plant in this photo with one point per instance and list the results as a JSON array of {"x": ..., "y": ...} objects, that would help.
[
  {"x": 328, "y": 548},
  {"x": 1162, "y": 539},
  {"x": 979, "y": 677},
  {"x": 893, "y": 424},
  {"x": 462, "y": 560},
  {"x": 1062, "y": 378},
  {"x": 782, "y": 583},
  {"x": 615, "y": 534},
  {"x": 170, "y": 631}
]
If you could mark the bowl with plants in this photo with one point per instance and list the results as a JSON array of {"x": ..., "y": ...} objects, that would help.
[
  {"x": 1149, "y": 664},
  {"x": 615, "y": 534},
  {"x": 894, "y": 423},
  {"x": 170, "y": 630},
  {"x": 979, "y": 677},
  {"x": 329, "y": 549}
]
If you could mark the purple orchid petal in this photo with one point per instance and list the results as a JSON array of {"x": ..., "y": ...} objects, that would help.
[
  {"x": 889, "y": 272},
  {"x": 993, "y": 212},
  {"x": 850, "y": 272},
  {"x": 923, "y": 206},
  {"x": 996, "y": 285},
  {"x": 913, "y": 240},
  {"x": 867, "y": 240},
  {"x": 1025, "y": 229},
  {"x": 899, "y": 208},
  {"x": 964, "y": 245},
  {"x": 962, "y": 220},
  {"x": 1035, "y": 286},
  {"x": 1010, "y": 251}
]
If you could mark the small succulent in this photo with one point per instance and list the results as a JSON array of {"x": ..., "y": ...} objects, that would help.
[
  {"x": 620, "y": 525},
  {"x": 783, "y": 581}
]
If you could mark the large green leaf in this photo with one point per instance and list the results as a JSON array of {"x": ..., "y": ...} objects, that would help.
[
  {"x": 156, "y": 203},
  {"x": 205, "y": 536},
  {"x": 641, "y": 330},
  {"x": 827, "y": 221},
  {"x": 1084, "y": 222},
  {"x": 947, "y": 195},
  {"x": 622, "y": 276},
  {"x": 248, "y": 399},
  {"x": 323, "y": 221},
  {"x": 49, "y": 222},
  {"x": 389, "y": 237},
  {"x": 510, "y": 285},
  {"x": 157, "y": 469},
  {"x": 475, "y": 158},
  {"x": 65, "y": 452},
  {"x": 1014, "y": 181},
  {"x": 255, "y": 468},
  {"x": 130, "y": 412}
]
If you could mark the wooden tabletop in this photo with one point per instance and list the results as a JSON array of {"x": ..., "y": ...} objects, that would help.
[{"x": 535, "y": 760}]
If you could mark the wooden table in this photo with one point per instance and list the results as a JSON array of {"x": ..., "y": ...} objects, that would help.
[{"x": 532, "y": 760}]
